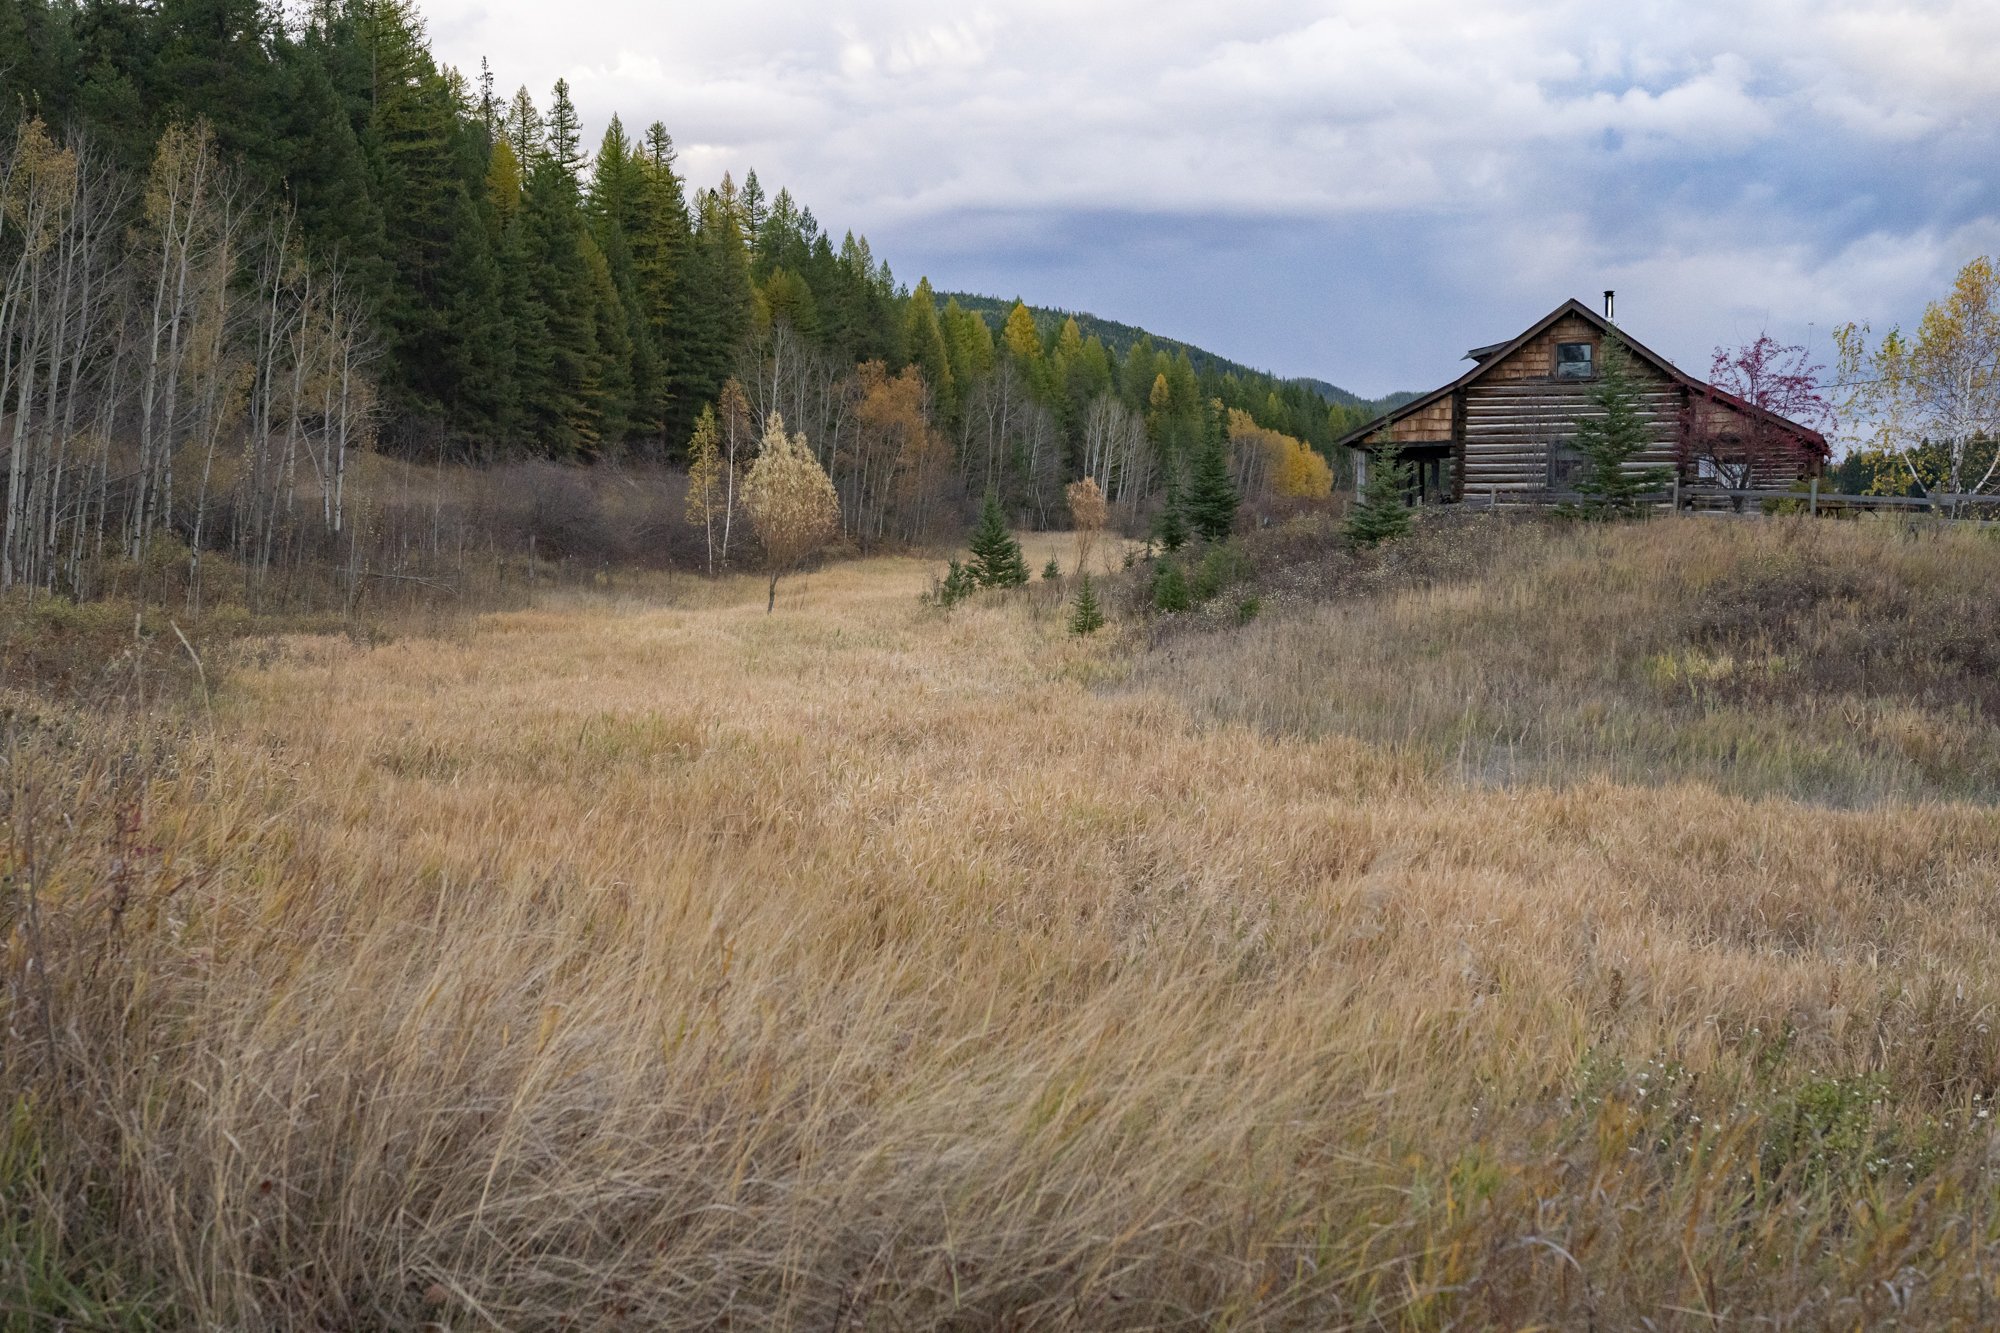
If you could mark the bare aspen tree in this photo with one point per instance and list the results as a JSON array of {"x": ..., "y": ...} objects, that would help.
[
  {"x": 39, "y": 200},
  {"x": 704, "y": 477},
  {"x": 733, "y": 411}
]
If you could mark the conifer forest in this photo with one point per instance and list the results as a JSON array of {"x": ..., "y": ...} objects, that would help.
[{"x": 243, "y": 245}]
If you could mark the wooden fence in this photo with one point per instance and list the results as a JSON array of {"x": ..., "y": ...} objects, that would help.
[{"x": 1718, "y": 497}]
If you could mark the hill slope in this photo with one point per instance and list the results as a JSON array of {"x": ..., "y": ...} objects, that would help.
[{"x": 1120, "y": 338}]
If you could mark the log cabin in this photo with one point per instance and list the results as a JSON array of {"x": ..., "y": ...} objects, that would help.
[{"x": 1503, "y": 429}]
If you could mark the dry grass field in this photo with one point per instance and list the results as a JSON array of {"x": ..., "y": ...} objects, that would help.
[{"x": 1530, "y": 929}]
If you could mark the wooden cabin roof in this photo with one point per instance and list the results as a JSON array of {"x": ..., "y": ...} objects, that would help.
[{"x": 1489, "y": 357}]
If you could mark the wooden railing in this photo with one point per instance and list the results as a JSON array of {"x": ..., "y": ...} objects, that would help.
[{"x": 1679, "y": 497}]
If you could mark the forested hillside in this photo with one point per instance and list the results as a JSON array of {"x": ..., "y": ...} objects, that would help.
[
  {"x": 241, "y": 242},
  {"x": 1120, "y": 339}
]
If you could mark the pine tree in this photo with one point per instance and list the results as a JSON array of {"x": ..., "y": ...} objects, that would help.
[
  {"x": 1170, "y": 589},
  {"x": 1379, "y": 513},
  {"x": 1084, "y": 615},
  {"x": 711, "y": 307},
  {"x": 1211, "y": 496},
  {"x": 957, "y": 585},
  {"x": 924, "y": 338},
  {"x": 751, "y": 203},
  {"x": 559, "y": 375},
  {"x": 996, "y": 557},
  {"x": 1171, "y": 527},
  {"x": 1052, "y": 570},
  {"x": 658, "y": 241},
  {"x": 1610, "y": 441},
  {"x": 565, "y": 133},
  {"x": 440, "y": 313},
  {"x": 522, "y": 126}
]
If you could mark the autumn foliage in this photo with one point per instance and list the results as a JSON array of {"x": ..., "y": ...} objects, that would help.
[
  {"x": 1274, "y": 467},
  {"x": 791, "y": 502},
  {"x": 1741, "y": 449}
]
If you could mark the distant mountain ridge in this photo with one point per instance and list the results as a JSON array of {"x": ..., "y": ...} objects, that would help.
[{"x": 1120, "y": 338}]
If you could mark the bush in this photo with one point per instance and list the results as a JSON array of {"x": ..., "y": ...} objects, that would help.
[{"x": 1223, "y": 565}]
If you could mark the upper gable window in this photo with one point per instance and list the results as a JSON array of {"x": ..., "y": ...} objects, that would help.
[{"x": 1573, "y": 361}]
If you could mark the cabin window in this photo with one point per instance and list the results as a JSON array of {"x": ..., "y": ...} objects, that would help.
[
  {"x": 1573, "y": 361},
  {"x": 1566, "y": 465}
]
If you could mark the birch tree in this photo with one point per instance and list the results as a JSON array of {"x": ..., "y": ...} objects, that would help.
[{"x": 1937, "y": 392}]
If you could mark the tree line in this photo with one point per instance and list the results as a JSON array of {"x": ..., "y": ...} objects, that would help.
[{"x": 497, "y": 291}]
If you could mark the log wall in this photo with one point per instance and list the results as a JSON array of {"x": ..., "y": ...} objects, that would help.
[{"x": 1513, "y": 421}]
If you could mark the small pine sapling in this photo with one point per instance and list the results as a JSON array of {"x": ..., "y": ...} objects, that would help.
[
  {"x": 1051, "y": 571},
  {"x": 996, "y": 561},
  {"x": 1170, "y": 589},
  {"x": 1084, "y": 615},
  {"x": 1379, "y": 514},
  {"x": 957, "y": 585}
]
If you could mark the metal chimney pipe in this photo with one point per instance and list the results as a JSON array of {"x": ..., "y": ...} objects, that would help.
[{"x": 1610, "y": 303}]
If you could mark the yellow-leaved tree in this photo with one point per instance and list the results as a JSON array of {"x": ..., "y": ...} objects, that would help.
[
  {"x": 1933, "y": 400},
  {"x": 1273, "y": 465},
  {"x": 791, "y": 502}
]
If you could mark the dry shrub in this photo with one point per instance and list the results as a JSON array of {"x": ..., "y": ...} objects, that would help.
[{"x": 613, "y": 963}]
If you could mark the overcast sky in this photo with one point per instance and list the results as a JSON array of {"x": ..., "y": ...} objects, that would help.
[{"x": 1355, "y": 191}]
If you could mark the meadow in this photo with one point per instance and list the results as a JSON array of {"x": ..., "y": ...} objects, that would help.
[{"x": 1525, "y": 926}]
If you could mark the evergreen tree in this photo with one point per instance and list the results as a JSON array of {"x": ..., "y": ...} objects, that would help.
[
  {"x": 560, "y": 360},
  {"x": 1379, "y": 513},
  {"x": 658, "y": 240},
  {"x": 565, "y": 133},
  {"x": 609, "y": 388},
  {"x": 1052, "y": 570},
  {"x": 1171, "y": 527},
  {"x": 1170, "y": 588},
  {"x": 1211, "y": 497},
  {"x": 1610, "y": 440},
  {"x": 996, "y": 557},
  {"x": 751, "y": 203},
  {"x": 924, "y": 338},
  {"x": 711, "y": 308},
  {"x": 1084, "y": 615},
  {"x": 440, "y": 311},
  {"x": 957, "y": 585},
  {"x": 523, "y": 129}
]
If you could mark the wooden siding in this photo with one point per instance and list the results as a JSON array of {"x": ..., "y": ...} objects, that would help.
[
  {"x": 1536, "y": 358},
  {"x": 1427, "y": 424}
]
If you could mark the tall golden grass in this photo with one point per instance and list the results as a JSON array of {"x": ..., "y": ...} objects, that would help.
[{"x": 653, "y": 962}]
